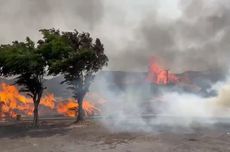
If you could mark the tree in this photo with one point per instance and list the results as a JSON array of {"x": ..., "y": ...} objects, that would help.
[
  {"x": 24, "y": 61},
  {"x": 77, "y": 57}
]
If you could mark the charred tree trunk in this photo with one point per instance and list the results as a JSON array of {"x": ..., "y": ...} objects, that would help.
[{"x": 81, "y": 113}]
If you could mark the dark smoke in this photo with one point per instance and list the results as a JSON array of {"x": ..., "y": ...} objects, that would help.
[
  {"x": 197, "y": 40},
  {"x": 25, "y": 17}
]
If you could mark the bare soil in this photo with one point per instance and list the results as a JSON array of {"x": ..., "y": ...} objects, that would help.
[{"x": 91, "y": 136}]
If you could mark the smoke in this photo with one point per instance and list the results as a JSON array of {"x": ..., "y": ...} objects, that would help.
[
  {"x": 132, "y": 32},
  {"x": 142, "y": 107},
  {"x": 196, "y": 40},
  {"x": 23, "y": 18}
]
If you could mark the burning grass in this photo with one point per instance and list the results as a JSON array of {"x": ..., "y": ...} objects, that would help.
[
  {"x": 12, "y": 103},
  {"x": 68, "y": 108}
]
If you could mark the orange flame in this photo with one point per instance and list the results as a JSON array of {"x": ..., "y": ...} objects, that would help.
[
  {"x": 48, "y": 101},
  {"x": 69, "y": 108},
  {"x": 159, "y": 75},
  {"x": 13, "y": 103}
]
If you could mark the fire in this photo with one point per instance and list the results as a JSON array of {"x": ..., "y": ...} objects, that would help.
[
  {"x": 158, "y": 75},
  {"x": 13, "y": 103},
  {"x": 48, "y": 101},
  {"x": 69, "y": 108}
]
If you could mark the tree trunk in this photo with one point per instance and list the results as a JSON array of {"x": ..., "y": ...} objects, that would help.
[
  {"x": 35, "y": 120},
  {"x": 1, "y": 110},
  {"x": 81, "y": 113},
  {"x": 36, "y": 104}
]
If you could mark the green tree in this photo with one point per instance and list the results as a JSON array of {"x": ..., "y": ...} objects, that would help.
[
  {"x": 77, "y": 57},
  {"x": 23, "y": 61}
]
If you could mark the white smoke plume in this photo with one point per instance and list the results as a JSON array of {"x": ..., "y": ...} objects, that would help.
[{"x": 137, "y": 109}]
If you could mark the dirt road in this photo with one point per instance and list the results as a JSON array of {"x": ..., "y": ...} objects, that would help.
[{"x": 91, "y": 136}]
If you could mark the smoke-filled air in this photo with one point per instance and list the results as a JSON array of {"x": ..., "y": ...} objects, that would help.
[{"x": 115, "y": 75}]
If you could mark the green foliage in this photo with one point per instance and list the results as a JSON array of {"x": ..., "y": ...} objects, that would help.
[
  {"x": 24, "y": 61},
  {"x": 74, "y": 55}
]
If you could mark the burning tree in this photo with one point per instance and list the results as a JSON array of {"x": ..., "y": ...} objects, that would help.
[
  {"x": 77, "y": 57},
  {"x": 25, "y": 62}
]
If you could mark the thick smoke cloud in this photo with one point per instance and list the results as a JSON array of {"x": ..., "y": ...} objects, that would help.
[
  {"x": 25, "y": 17},
  {"x": 197, "y": 40},
  {"x": 132, "y": 31},
  {"x": 138, "y": 109}
]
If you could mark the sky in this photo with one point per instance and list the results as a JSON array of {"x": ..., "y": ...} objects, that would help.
[{"x": 181, "y": 34}]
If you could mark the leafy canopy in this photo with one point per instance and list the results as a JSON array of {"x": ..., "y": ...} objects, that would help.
[
  {"x": 74, "y": 55},
  {"x": 23, "y": 60}
]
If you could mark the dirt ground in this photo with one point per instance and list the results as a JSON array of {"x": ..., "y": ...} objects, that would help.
[{"x": 91, "y": 136}]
